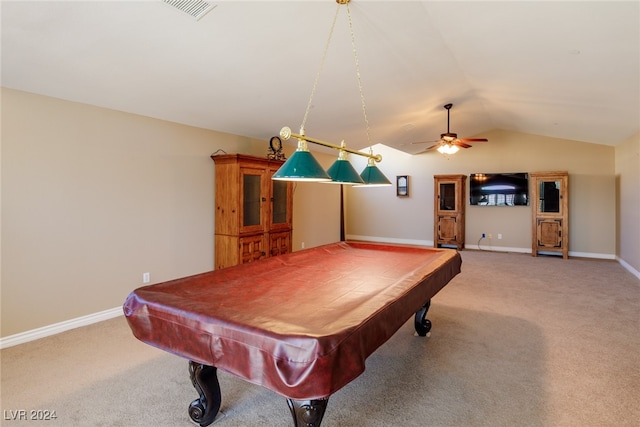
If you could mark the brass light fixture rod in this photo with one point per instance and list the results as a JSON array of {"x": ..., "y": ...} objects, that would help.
[{"x": 285, "y": 133}]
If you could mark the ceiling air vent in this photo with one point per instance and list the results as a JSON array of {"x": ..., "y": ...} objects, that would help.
[{"x": 195, "y": 8}]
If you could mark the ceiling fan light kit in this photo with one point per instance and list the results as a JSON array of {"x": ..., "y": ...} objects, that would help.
[{"x": 448, "y": 149}]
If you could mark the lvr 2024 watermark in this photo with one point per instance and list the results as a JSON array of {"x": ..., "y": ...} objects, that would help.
[{"x": 29, "y": 415}]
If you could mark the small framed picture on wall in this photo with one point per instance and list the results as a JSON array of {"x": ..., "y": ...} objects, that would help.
[{"x": 402, "y": 186}]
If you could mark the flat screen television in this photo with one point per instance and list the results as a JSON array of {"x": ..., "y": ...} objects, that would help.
[{"x": 499, "y": 189}]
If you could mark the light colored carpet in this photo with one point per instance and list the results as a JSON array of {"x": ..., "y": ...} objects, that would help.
[{"x": 516, "y": 341}]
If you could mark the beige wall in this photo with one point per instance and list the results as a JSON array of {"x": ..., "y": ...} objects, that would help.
[
  {"x": 377, "y": 213},
  {"x": 628, "y": 190},
  {"x": 93, "y": 198},
  {"x": 318, "y": 206}
]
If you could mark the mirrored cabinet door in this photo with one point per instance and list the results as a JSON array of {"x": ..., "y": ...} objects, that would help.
[{"x": 549, "y": 196}]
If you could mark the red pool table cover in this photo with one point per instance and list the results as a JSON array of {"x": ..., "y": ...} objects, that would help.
[{"x": 300, "y": 324}]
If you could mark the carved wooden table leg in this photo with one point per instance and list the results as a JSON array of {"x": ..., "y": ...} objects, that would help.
[
  {"x": 422, "y": 324},
  {"x": 205, "y": 380},
  {"x": 307, "y": 413}
]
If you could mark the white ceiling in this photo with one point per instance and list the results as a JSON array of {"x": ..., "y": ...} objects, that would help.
[{"x": 562, "y": 69}]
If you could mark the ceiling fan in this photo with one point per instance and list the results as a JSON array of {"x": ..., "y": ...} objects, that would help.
[{"x": 449, "y": 142}]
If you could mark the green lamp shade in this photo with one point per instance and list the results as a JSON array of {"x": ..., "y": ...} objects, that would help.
[
  {"x": 341, "y": 172},
  {"x": 372, "y": 177},
  {"x": 301, "y": 166}
]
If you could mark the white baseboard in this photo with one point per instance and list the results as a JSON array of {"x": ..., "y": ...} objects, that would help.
[
  {"x": 390, "y": 240},
  {"x": 628, "y": 267},
  {"x": 592, "y": 255},
  {"x": 484, "y": 247},
  {"x": 57, "y": 328},
  {"x": 498, "y": 249}
]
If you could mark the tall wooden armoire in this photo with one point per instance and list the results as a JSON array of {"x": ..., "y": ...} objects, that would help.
[
  {"x": 449, "y": 204},
  {"x": 253, "y": 213},
  {"x": 550, "y": 218}
]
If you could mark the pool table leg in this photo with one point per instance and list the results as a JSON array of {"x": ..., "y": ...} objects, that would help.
[
  {"x": 205, "y": 380},
  {"x": 422, "y": 324},
  {"x": 307, "y": 413}
]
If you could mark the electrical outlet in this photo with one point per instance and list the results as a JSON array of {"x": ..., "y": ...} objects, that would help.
[
  {"x": 146, "y": 277},
  {"x": 490, "y": 236},
  {"x": 302, "y": 245},
  {"x": 483, "y": 235},
  {"x": 499, "y": 236}
]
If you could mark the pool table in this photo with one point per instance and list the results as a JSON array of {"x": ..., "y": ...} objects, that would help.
[{"x": 300, "y": 324}]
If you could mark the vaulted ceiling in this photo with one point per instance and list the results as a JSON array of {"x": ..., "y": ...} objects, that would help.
[{"x": 562, "y": 69}]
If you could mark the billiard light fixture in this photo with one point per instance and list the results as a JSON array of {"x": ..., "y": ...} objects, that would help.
[{"x": 302, "y": 166}]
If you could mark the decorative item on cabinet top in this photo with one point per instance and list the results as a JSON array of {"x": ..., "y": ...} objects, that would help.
[{"x": 275, "y": 149}]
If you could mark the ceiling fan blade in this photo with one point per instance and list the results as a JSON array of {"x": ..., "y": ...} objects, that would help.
[
  {"x": 423, "y": 142},
  {"x": 432, "y": 147},
  {"x": 459, "y": 143},
  {"x": 474, "y": 139}
]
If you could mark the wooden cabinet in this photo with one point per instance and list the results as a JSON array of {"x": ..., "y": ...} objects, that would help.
[
  {"x": 550, "y": 197},
  {"x": 253, "y": 213},
  {"x": 449, "y": 192}
]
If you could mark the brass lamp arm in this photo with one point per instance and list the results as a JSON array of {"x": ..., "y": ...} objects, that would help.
[{"x": 285, "y": 133}]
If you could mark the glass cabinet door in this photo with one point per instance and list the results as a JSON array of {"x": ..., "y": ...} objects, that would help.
[
  {"x": 549, "y": 196},
  {"x": 251, "y": 203},
  {"x": 448, "y": 196},
  {"x": 279, "y": 203}
]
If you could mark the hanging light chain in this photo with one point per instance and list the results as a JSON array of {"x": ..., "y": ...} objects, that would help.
[
  {"x": 315, "y": 83},
  {"x": 355, "y": 58},
  {"x": 357, "y": 64}
]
